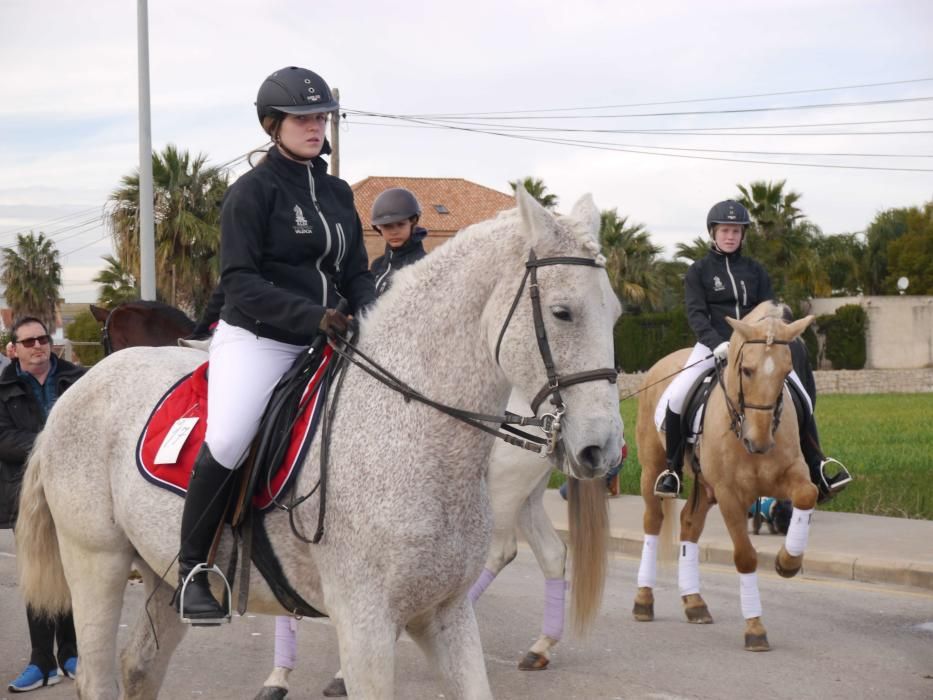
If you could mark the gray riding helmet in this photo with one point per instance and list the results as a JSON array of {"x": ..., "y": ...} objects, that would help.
[
  {"x": 727, "y": 212},
  {"x": 395, "y": 204},
  {"x": 294, "y": 90}
]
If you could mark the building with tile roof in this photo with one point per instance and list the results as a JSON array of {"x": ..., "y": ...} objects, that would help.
[{"x": 448, "y": 204}]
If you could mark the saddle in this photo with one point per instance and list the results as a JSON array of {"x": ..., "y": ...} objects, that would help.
[{"x": 173, "y": 435}]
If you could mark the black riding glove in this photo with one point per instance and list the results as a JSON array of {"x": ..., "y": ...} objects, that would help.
[{"x": 334, "y": 323}]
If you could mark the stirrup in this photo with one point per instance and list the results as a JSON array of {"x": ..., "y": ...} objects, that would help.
[
  {"x": 839, "y": 480},
  {"x": 667, "y": 494},
  {"x": 204, "y": 621}
]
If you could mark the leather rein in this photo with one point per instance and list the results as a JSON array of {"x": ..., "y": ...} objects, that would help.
[
  {"x": 737, "y": 413},
  {"x": 550, "y": 422}
]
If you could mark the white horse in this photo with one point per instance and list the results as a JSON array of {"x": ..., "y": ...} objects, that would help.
[
  {"x": 402, "y": 560},
  {"x": 517, "y": 480}
]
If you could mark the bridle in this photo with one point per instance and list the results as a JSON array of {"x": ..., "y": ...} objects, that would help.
[
  {"x": 737, "y": 413},
  {"x": 105, "y": 334},
  {"x": 549, "y": 423}
]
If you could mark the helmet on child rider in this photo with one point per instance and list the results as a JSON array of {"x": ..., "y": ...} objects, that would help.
[
  {"x": 393, "y": 205},
  {"x": 727, "y": 212},
  {"x": 294, "y": 90}
]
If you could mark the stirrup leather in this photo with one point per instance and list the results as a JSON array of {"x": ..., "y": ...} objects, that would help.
[
  {"x": 205, "y": 568},
  {"x": 837, "y": 482},
  {"x": 666, "y": 494}
]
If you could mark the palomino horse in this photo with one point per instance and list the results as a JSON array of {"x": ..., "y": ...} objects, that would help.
[
  {"x": 402, "y": 561},
  {"x": 135, "y": 323},
  {"x": 749, "y": 447}
]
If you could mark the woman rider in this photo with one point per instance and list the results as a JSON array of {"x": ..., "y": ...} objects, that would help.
[
  {"x": 291, "y": 246},
  {"x": 724, "y": 283}
]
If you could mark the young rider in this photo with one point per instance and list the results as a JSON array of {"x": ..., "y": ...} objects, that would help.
[
  {"x": 395, "y": 215},
  {"x": 291, "y": 245},
  {"x": 724, "y": 283}
]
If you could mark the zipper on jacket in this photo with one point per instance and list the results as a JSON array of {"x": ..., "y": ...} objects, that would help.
[
  {"x": 388, "y": 270},
  {"x": 326, "y": 233},
  {"x": 738, "y": 314},
  {"x": 744, "y": 293},
  {"x": 341, "y": 245}
]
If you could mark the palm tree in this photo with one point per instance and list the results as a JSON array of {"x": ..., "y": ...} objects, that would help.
[
  {"x": 117, "y": 284},
  {"x": 187, "y": 197},
  {"x": 631, "y": 260},
  {"x": 32, "y": 276},
  {"x": 537, "y": 189},
  {"x": 772, "y": 210},
  {"x": 696, "y": 249}
]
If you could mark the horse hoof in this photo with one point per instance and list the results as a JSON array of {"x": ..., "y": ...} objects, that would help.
[
  {"x": 757, "y": 642},
  {"x": 336, "y": 689},
  {"x": 533, "y": 662},
  {"x": 699, "y": 615},
  {"x": 643, "y": 612},
  {"x": 271, "y": 692}
]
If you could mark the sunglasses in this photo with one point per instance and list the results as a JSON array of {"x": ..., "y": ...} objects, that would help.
[{"x": 31, "y": 342}]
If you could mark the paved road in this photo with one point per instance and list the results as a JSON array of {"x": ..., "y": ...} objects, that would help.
[{"x": 830, "y": 639}]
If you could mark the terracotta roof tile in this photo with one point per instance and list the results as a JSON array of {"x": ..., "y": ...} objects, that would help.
[{"x": 466, "y": 203}]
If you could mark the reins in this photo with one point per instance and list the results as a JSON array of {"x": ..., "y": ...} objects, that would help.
[{"x": 737, "y": 413}]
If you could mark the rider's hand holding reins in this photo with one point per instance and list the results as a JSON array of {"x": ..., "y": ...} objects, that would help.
[
  {"x": 334, "y": 323},
  {"x": 721, "y": 351}
]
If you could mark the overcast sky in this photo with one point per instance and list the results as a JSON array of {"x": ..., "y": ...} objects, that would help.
[{"x": 68, "y": 100}]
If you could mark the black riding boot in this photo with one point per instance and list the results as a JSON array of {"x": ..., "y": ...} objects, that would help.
[
  {"x": 668, "y": 483},
  {"x": 205, "y": 504},
  {"x": 818, "y": 463}
]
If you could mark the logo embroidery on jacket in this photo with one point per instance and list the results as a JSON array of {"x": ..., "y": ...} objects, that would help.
[
  {"x": 301, "y": 223},
  {"x": 718, "y": 286}
]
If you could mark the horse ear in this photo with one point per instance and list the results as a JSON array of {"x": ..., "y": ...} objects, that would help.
[
  {"x": 745, "y": 329},
  {"x": 585, "y": 212},
  {"x": 539, "y": 222},
  {"x": 99, "y": 313},
  {"x": 794, "y": 329}
]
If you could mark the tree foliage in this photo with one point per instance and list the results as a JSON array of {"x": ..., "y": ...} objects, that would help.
[
  {"x": 85, "y": 328},
  {"x": 631, "y": 260},
  {"x": 117, "y": 284},
  {"x": 187, "y": 196},
  {"x": 537, "y": 189},
  {"x": 32, "y": 277}
]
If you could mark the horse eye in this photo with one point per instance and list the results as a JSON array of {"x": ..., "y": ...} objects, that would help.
[
  {"x": 747, "y": 372},
  {"x": 561, "y": 313}
]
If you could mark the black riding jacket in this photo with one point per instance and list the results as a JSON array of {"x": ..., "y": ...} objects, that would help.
[
  {"x": 291, "y": 245},
  {"x": 21, "y": 419},
  {"x": 392, "y": 261},
  {"x": 721, "y": 285}
]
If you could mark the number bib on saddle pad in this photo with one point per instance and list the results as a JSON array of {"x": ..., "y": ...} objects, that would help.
[{"x": 169, "y": 443}]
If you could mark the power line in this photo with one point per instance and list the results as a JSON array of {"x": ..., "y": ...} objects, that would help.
[
  {"x": 20, "y": 229},
  {"x": 681, "y": 101},
  {"x": 86, "y": 245}
]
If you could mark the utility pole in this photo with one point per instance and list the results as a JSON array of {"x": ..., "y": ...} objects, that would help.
[
  {"x": 147, "y": 285},
  {"x": 335, "y": 139}
]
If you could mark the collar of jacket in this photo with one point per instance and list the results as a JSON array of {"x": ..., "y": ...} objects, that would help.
[
  {"x": 63, "y": 370},
  {"x": 413, "y": 243},
  {"x": 731, "y": 257},
  {"x": 294, "y": 171}
]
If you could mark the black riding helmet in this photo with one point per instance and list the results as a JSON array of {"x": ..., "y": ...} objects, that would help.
[
  {"x": 727, "y": 212},
  {"x": 294, "y": 90},
  {"x": 395, "y": 204}
]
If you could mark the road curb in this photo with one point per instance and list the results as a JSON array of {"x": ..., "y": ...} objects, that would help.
[{"x": 816, "y": 563}]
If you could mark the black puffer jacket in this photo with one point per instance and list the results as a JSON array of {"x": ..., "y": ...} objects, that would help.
[
  {"x": 291, "y": 242},
  {"x": 394, "y": 260},
  {"x": 21, "y": 419},
  {"x": 722, "y": 285}
]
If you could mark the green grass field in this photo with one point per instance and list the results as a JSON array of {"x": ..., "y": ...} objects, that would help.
[{"x": 886, "y": 440}]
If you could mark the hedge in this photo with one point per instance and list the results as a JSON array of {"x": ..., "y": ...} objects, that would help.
[
  {"x": 643, "y": 339},
  {"x": 845, "y": 336}
]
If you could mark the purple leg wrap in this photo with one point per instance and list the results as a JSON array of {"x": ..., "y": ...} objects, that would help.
[
  {"x": 482, "y": 583},
  {"x": 554, "y": 607},
  {"x": 286, "y": 638}
]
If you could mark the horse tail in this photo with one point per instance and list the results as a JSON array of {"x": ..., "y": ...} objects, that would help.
[
  {"x": 38, "y": 559},
  {"x": 589, "y": 549}
]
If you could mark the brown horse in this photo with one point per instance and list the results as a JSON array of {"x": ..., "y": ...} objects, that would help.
[
  {"x": 749, "y": 447},
  {"x": 135, "y": 323}
]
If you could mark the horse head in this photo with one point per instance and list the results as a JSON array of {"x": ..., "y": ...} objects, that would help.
[
  {"x": 759, "y": 362},
  {"x": 555, "y": 341}
]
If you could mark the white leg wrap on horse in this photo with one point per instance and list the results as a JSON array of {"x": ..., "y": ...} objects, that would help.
[
  {"x": 688, "y": 569},
  {"x": 482, "y": 583},
  {"x": 648, "y": 568},
  {"x": 748, "y": 592},
  {"x": 553, "y": 626},
  {"x": 286, "y": 641},
  {"x": 799, "y": 531}
]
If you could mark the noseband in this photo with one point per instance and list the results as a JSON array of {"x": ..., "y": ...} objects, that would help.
[
  {"x": 554, "y": 380},
  {"x": 737, "y": 414}
]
